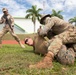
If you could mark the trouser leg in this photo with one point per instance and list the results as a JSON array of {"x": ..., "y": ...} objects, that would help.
[
  {"x": 55, "y": 45},
  {"x": 16, "y": 38},
  {"x": 2, "y": 33},
  {"x": 66, "y": 55}
]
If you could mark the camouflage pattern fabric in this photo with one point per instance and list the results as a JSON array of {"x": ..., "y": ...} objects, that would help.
[
  {"x": 55, "y": 24},
  {"x": 74, "y": 46},
  {"x": 6, "y": 28},
  {"x": 10, "y": 19},
  {"x": 40, "y": 45},
  {"x": 55, "y": 45},
  {"x": 66, "y": 56},
  {"x": 69, "y": 36},
  {"x": 64, "y": 33}
]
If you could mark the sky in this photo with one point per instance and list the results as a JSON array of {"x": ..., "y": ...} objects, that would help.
[{"x": 17, "y": 8}]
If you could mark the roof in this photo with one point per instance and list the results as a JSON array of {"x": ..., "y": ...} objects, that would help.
[
  {"x": 19, "y": 17},
  {"x": 20, "y": 27}
]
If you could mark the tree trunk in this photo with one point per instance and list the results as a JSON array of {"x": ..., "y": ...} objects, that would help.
[{"x": 34, "y": 28}]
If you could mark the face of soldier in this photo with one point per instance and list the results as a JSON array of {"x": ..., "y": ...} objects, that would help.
[
  {"x": 29, "y": 41},
  {"x": 5, "y": 12}
]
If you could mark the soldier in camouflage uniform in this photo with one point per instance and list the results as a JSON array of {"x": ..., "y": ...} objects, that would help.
[
  {"x": 40, "y": 46},
  {"x": 64, "y": 33},
  {"x": 9, "y": 25}
]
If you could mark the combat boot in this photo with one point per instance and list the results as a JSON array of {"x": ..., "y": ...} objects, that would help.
[{"x": 45, "y": 63}]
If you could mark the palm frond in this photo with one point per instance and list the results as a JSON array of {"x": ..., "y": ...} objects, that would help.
[
  {"x": 72, "y": 20},
  {"x": 28, "y": 16},
  {"x": 57, "y": 13},
  {"x": 33, "y": 13}
]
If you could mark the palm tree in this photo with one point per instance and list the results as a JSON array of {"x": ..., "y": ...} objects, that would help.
[
  {"x": 72, "y": 20},
  {"x": 33, "y": 14},
  {"x": 54, "y": 13}
]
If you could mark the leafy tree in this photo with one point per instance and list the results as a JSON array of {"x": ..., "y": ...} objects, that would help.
[
  {"x": 72, "y": 20},
  {"x": 54, "y": 13},
  {"x": 33, "y": 14}
]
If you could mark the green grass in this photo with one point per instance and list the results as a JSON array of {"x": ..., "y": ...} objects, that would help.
[{"x": 14, "y": 61}]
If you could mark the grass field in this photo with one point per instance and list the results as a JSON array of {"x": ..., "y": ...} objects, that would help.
[{"x": 15, "y": 61}]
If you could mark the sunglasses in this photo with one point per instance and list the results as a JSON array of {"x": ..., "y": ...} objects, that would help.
[{"x": 26, "y": 41}]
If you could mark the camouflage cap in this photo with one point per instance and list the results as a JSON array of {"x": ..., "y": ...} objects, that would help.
[
  {"x": 43, "y": 18},
  {"x": 4, "y": 9}
]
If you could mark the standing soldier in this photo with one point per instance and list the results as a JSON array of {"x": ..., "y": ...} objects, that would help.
[{"x": 8, "y": 20}]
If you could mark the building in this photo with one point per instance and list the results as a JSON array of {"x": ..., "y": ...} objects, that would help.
[
  {"x": 26, "y": 24},
  {"x": 23, "y": 26}
]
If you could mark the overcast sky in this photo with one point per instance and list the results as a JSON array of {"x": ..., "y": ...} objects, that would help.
[{"x": 17, "y": 8}]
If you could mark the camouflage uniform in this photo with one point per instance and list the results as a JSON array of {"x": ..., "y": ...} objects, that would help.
[
  {"x": 66, "y": 56},
  {"x": 40, "y": 45},
  {"x": 8, "y": 20},
  {"x": 65, "y": 33}
]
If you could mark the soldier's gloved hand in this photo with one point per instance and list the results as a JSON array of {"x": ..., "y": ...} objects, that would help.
[
  {"x": 42, "y": 33},
  {"x": 39, "y": 29}
]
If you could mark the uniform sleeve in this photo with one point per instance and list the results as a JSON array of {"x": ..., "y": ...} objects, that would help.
[
  {"x": 46, "y": 28},
  {"x": 1, "y": 20}
]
